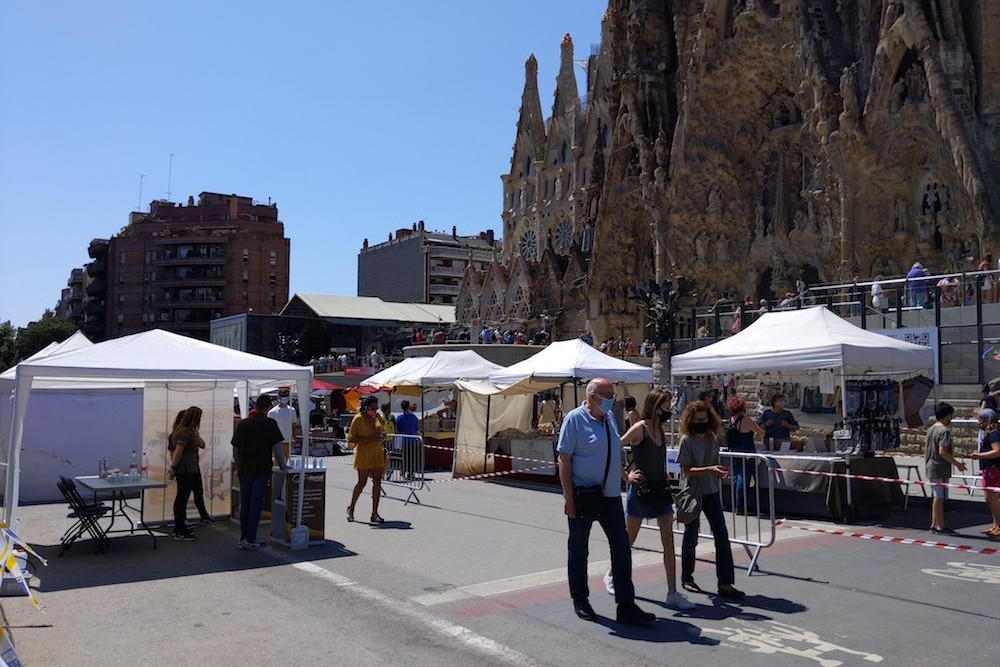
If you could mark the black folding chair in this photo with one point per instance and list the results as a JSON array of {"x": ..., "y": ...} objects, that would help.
[{"x": 86, "y": 515}]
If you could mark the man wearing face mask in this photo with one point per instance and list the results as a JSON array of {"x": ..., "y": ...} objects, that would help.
[
  {"x": 288, "y": 422},
  {"x": 590, "y": 473},
  {"x": 778, "y": 423}
]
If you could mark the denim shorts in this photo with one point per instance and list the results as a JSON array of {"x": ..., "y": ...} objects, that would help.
[
  {"x": 636, "y": 510},
  {"x": 939, "y": 491}
]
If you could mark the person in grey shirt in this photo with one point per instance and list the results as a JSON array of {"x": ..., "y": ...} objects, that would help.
[{"x": 938, "y": 460}]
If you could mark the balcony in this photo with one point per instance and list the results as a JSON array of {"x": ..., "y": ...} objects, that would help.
[
  {"x": 95, "y": 306},
  {"x": 452, "y": 290},
  {"x": 191, "y": 260},
  {"x": 190, "y": 282},
  {"x": 75, "y": 277},
  {"x": 98, "y": 249},
  {"x": 174, "y": 304},
  {"x": 449, "y": 271},
  {"x": 97, "y": 287},
  {"x": 98, "y": 267}
]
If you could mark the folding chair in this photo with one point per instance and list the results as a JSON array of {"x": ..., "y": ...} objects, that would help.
[{"x": 86, "y": 515}]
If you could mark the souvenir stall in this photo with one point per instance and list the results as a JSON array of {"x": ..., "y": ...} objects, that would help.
[
  {"x": 815, "y": 348},
  {"x": 494, "y": 430}
]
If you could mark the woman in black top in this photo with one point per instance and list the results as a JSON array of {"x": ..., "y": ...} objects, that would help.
[
  {"x": 744, "y": 470},
  {"x": 184, "y": 443},
  {"x": 648, "y": 494}
]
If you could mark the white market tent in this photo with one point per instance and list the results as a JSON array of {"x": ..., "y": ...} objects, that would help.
[
  {"x": 566, "y": 361},
  {"x": 141, "y": 360},
  {"x": 796, "y": 341},
  {"x": 406, "y": 372},
  {"x": 505, "y": 400},
  {"x": 446, "y": 367}
]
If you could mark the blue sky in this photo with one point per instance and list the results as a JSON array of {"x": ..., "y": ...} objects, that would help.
[{"x": 357, "y": 118}]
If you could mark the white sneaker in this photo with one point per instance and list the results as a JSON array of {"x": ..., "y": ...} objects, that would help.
[
  {"x": 609, "y": 584},
  {"x": 680, "y": 602}
]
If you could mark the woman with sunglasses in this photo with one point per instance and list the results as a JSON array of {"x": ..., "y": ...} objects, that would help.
[
  {"x": 698, "y": 458},
  {"x": 648, "y": 495},
  {"x": 365, "y": 436}
]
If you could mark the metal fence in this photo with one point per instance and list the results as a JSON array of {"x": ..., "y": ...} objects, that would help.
[
  {"x": 750, "y": 491},
  {"x": 406, "y": 464}
]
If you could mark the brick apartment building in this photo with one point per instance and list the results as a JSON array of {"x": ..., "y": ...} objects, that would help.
[{"x": 180, "y": 266}]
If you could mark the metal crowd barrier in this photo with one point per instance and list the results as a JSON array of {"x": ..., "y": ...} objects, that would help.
[
  {"x": 405, "y": 454},
  {"x": 755, "y": 528}
]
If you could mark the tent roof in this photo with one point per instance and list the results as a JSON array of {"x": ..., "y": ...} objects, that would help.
[
  {"x": 407, "y": 371},
  {"x": 446, "y": 367},
  {"x": 568, "y": 360},
  {"x": 802, "y": 340},
  {"x": 74, "y": 342},
  {"x": 159, "y": 355}
]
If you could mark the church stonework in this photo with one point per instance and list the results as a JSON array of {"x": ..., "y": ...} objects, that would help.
[{"x": 738, "y": 142}]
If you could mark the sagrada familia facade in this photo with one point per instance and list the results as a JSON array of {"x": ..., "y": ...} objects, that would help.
[{"x": 738, "y": 142}]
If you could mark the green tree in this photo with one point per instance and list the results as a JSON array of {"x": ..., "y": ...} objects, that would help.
[
  {"x": 39, "y": 334},
  {"x": 8, "y": 346}
]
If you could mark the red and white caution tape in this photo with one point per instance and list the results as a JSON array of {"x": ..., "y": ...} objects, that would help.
[
  {"x": 964, "y": 548},
  {"x": 886, "y": 480}
]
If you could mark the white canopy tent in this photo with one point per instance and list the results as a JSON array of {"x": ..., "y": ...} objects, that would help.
[
  {"x": 406, "y": 372},
  {"x": 504, "y": 400},
  {"x": 561, "y": 362},
  {"x": 139, "y": 360},
  {"x": 446, "y": 367},
  {"x": 797, "y": 341}
]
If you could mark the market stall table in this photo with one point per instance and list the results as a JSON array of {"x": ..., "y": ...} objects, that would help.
[{"x": 119, "y": 503}]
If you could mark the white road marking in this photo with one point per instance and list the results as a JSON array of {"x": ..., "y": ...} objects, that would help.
[
  {"x": 470, "y": 639},
  {"x": 531, "y": 580}
]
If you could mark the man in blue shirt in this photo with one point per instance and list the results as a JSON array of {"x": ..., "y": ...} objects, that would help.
[
  {"x": 408, "y": 425},
  {"x": 778, "y": 422},
  {"x": 590, "y": 455}
]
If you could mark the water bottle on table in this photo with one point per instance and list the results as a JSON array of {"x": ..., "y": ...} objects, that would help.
[{"x": 133, "y": 466}]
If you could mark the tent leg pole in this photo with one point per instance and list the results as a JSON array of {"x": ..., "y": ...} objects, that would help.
[{"x": 486, "y": 443}]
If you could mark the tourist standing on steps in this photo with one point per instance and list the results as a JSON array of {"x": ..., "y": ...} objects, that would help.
[
  {"x": 938, "y": 460},
  {"x": 590, "y": 457},
  {"x": 698, "y": 457},
  {"x": 256, "y": 440},
  {"x": 365, "y": 436},
  {"x": 649, "y": 496}
]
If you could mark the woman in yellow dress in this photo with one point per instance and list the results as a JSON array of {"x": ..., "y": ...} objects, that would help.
[{"x": 365, "y": 436}]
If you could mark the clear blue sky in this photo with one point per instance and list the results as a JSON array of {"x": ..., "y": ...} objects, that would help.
[{"x": 357, "y": 118}]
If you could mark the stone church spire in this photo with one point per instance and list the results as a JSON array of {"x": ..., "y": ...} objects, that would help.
[
  {"x": 531, "y": 121},
  {"x": 567, "y": 99}
]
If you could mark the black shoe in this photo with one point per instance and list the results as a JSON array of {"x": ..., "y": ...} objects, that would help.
[
  {"x": 207, "y": 521},
  {"x": 183, "y": 537},
  {"x": 942, "y": 531},
  {"x": 630, "y": 614},
  {"x": 584, "y": 610},
  {"x": 730, "y": 592}
]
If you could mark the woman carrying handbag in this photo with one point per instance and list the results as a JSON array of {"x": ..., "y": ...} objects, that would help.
[
  {"x": 648, "y": 494},
  {"x": 698, "y": 458}
]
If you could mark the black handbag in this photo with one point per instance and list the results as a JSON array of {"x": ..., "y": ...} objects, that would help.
[{"x": 589, "y": 500}]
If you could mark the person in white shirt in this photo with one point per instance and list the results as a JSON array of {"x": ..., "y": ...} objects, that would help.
[{"x": 288, "y": 423}]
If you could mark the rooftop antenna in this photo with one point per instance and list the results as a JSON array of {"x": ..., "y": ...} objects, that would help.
[
  {"x": 141, "y": 177},
  {"x": 170, "y": 173}
]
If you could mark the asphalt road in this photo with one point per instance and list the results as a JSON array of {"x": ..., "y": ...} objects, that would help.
[{"x": 475, "y": 575}]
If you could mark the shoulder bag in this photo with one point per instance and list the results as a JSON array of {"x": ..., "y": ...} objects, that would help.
[
  {"x": 687, "y": 503},
  {"x": 589, "y": 500}
]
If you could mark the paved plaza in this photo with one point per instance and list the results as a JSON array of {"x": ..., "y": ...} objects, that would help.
[{"x": 475, "y": 575}]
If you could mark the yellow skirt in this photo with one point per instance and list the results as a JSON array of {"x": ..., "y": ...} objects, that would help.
[{"x": 369, "y": 456}]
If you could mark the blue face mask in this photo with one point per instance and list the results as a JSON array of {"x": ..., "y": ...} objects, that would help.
[
  {"x": 607, "y": 404},
  {"x": 284, "y": 400}
]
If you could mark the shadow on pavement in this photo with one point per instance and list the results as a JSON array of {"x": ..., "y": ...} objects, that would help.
[
  {"x": 132, "y": 558},
  {"x": 661, "y": 631}
]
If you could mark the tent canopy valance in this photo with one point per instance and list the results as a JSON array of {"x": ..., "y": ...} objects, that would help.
[
  {"x": 444, "y": 368},
  {"x": 797, "y": 341}
]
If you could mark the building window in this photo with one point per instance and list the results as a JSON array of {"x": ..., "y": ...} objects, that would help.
[
  {"x": 274, "y": 258},
  {"x": 246, "y": 277},
  {"x": 272, "y": 280},
  {"x": 246, "y": 256},
  {"x": 121, "y": 258},
  {"x": 121, "y": 300},
  {"x": 246, "y": 297},
  {"x": 120, "y": 319},
  {"x": 274, "y": 301}
]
